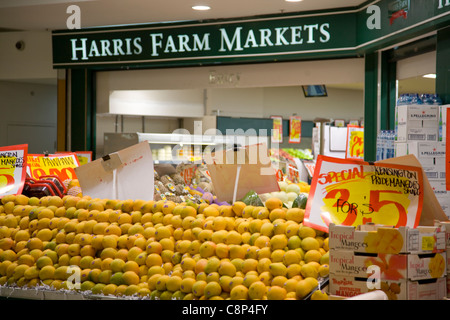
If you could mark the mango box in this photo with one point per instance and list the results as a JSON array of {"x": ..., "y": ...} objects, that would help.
[
  {"x": 344, "y": 286},
  {"x": 445, "y": 225},
  {"x": 373, "y": 238},
  {"x": 388, "y": 266}
]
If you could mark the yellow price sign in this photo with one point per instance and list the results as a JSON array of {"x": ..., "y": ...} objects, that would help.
[
  {"x": 61, "y": 165},
  {"x": 351, "y": 192},
  {"x": 12, "y": 169},
  {"x": 355, "y": 143}
]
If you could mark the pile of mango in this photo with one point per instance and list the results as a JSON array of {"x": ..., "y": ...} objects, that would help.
[{"x": 160, "y": 249}]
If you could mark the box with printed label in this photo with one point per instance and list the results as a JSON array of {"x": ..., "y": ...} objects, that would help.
[
  {"x": 371, "y": 238},
  {"x": 445, "y": 225},
  {"x": 431, "y": 156},
  {"x": 417, "y": 123},
  {"x": 443, "y": 121},
  {"x": 395, "y": 289},
  {"x": 442, "y": 195},
  {"x": 388, "y": 266},
  {"x": 448, "y": 273}
]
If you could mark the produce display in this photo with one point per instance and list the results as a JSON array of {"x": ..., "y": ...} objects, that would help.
[{"x": 161, "y": 249}]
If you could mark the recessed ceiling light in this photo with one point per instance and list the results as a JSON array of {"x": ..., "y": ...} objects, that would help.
[
  {"x": 430, "y": 76},
  {"x": 201, "y": 8},
  {"x": 293, "y": 0}
]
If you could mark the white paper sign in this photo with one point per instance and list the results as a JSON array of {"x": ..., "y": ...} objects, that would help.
[{"x": 126, "y": 174}]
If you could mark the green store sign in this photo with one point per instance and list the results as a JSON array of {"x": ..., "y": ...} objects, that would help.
[{"x": 309, "y": 35}]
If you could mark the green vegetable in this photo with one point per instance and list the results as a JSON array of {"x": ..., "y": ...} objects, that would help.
[
  {"x": 300, "y": 201},
  {"x": 252, "y": 199}
]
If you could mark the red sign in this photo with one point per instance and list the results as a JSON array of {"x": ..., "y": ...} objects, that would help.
[{"x": 353, "y": 192}]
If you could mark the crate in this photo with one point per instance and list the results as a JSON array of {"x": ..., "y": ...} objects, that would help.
[
  {"x": 344, "y": 286},
  {"x": 388, "y": 266},
  {"x": 371, "y": 238}
]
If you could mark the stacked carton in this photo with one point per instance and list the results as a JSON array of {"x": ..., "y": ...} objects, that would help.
[
  {"x": 446, "y": 227},
  {"x": 406, "y": 263},
  {"x": 443, "y": 121},
  {"x": 420, "y": 131}
]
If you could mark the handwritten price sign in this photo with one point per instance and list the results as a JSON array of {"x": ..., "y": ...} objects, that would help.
[
  {"x": 62, "y": 165},
  {"x": 352, "y": 192},
  {"x": 355, "y": 143},
  {"x": 12, "y": 169}
]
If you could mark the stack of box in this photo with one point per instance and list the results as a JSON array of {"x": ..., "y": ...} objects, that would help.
[
  {"x": 446, "y": 227},
  {"x": 406, "y": 263},
  {"x": 443, "y": 122},
  {"x": 420, "y": 131}
]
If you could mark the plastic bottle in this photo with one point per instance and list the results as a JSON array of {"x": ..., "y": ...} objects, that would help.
[
  {"x": 401, "y": 100},
  {"x": 407, "y": 99},
  {"x": 415, "y": 99},
  {"x": 390, "y": 144},
  {"x": 378, "y": 154},
  {"x": 436, "y": 100},
  {"x": 382, "y": 144},
  {"x": 426, "y": 98}
]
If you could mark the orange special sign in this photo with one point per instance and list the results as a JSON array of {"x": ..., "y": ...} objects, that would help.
[
  {"x": 63, "y": 165},
  {"x": 352, "y": 192}
]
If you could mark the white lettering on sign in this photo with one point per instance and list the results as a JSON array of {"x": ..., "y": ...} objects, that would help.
[
  {"x": 224, "y": 78},
  {"x": 235, "y": 40},
  {"x": 180, "y": 43},
  {"x": 442, "y": 4},
  {"x": 104, "y": 48},
  {"x": 374, "y": 21},
  {"x": 74, "y": 20}
]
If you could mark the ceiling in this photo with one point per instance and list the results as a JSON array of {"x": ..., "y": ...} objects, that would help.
[{"x": 52, "y": 14}]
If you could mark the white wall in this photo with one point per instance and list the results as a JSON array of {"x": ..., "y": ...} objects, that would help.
[
  {"x": 28, "y": 115},
  {"x": 285, "y": 101},
  {"x": 108, "y": 123},
  {"x": 34, "y": 62}
]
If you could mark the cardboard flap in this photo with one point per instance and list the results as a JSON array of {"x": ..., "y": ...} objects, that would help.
[
  {"x": 431, "y": 209},
  {"x": 126, "y": 174},
  {"x": 256, "y": 172}
]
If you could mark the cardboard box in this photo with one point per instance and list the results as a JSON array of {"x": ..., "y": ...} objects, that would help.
[
  {"x": 417, "y": 123},
  {"x": 380, "y": 239},
  {"x": 431, "y": 156},
  {"x": 443, "y": 121},
  {"x": 442, "y": 195},
  {"x": 388, "y": 266},
  {"x": 448, "y": 267},
  {"x": 445, "y": 225},
  {"x": 395, "y": 290}
]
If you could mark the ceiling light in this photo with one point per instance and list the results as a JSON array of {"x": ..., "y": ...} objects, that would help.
[
  {"x": 201, "y": 8},
  {"x": 430, "y": 76},
  {"x": 293, "y": 0}
]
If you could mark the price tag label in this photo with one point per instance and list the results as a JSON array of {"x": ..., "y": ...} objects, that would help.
[
  {"x": 428, "y": 243},
  {"x": 351, "y": 192},
  {"x": 62, "y": 165},
  {"x": 12, "y": 169}
]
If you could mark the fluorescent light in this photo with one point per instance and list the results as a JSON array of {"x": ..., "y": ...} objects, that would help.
[
  {"x": 293, "y": 0},
  {"x": 201, "y": 8},
  {"x": 430, "y": 76}
]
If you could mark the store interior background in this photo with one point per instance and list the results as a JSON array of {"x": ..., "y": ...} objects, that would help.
[{"x": 28, "y": 83}]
